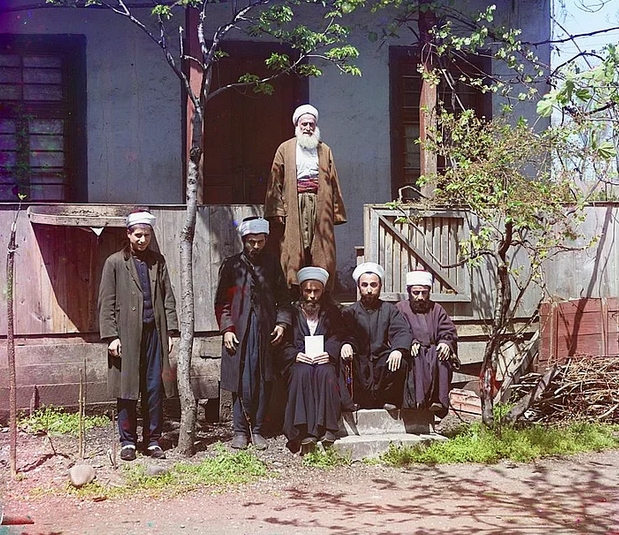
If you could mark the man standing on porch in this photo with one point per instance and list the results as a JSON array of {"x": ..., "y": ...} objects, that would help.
[
  {"x": 137, "y": 313},
  {"x": 252, "y": 306},
  {"x": 303, "y": 196},
  {"x": 435, "y": 344}
]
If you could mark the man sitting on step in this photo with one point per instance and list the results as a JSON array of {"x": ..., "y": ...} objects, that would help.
[
  {"x": 435, "y": 344},
  {"x": 311, "y": 365},
  {"x": 382, "y": 340}
]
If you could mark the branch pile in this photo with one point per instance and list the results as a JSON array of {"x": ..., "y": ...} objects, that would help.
[{"x": 584, "y": 387}]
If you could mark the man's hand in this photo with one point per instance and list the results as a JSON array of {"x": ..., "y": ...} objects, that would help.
[
  {"x": 277, "y": 335},
  {"x": 346, "y": 352},
  {"x": 114, "y": 348},
  {"x": 415, "y": 349},
  {"x": 394, "y": 361},
  {"x": 443, "y": 351},
  {"x": 170, "y": 344},
  {"x": 280, "y": 219},
  {"x": 230, "y": 341},
  {"x": 302, "y": 357},
  {"x": 323, "y": 358}
]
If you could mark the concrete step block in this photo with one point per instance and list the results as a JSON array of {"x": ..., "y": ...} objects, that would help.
[
  {"x": 379, "y": 422},
  {"x": 365, "y": 447}
]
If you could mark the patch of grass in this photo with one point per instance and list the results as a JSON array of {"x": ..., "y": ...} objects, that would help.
[
  {"x": 223, "y": 469},
  {"x": 478, "y": 444},
  {"x": 325, "y": 458},
  {"x": 55, "y": 421}
]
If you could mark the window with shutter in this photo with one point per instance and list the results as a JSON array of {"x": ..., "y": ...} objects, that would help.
[{"x": 42, "y": 118}]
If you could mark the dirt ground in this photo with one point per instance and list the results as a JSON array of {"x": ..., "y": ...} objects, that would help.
[{"x": 554, "y": 496}]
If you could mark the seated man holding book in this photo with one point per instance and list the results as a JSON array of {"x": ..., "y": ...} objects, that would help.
[{"x": 311, "y": 365}]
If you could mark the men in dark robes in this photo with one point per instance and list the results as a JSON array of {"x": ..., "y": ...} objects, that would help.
[
  {"x": 382, "y": 340},
  {"x": 252, "y": 306},
  {"x": 435, "y": 344},
  {"x": 311, "y": 365},
  {"x": 304, "y": 199}
]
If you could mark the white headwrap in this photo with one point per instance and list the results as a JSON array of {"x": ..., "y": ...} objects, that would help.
[
  {"x": 313, "y": 273},
  {"x": 257, "y": 225},
  {"x": 140, "y": 218},
  {"x": 419, "y": 278},
  {"x": 302, "y": 110},
  {"x": 368, "y": 267}
]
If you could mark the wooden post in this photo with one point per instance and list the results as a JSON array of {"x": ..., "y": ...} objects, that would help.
[
  {"x": 10, "y": 345},
  {"x": 427, "y": 99}
]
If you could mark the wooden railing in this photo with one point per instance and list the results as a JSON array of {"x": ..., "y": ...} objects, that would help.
[{"x": 402, "y": 240}]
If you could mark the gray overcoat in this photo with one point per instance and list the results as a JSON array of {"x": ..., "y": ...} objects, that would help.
[{"x": 120, "y": 316}]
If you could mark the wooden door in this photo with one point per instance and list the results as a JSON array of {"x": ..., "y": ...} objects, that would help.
[{"x": 243, "y": 128}]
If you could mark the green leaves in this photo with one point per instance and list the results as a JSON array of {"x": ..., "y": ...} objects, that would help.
[
  {"x": 163, "y": 11},
  {"x": 606, "y": 150},
  {"x": 258, "y": 85},
  {"x": 546, "y": 104}
]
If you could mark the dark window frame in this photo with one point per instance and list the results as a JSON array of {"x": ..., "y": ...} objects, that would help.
[
  {"x": 71, "y": 50},
  {"x": 403, "y": 62}
]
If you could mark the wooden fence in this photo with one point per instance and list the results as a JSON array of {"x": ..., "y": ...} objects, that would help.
[
  {"x": 58, "y": 264},
  {"x": 61, "y": 250}
]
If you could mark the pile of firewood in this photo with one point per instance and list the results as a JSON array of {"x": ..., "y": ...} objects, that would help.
[{"x": 583, "y": 387}]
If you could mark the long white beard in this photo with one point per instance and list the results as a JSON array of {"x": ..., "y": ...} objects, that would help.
[{"x": 305, "y": 141}]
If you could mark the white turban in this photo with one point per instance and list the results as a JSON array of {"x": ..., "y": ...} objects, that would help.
[
  {"x": 257, "y": 225},
  {"x": 140, "y": 218},
  {"x": 419, "y": 278},
  {"x": 368, "y": 267},
  {"x": 313, "y": 273},
  {"x": 302, "y": 110}
]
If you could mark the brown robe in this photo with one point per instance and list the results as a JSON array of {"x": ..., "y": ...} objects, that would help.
[{"x": 281, "y": 201}]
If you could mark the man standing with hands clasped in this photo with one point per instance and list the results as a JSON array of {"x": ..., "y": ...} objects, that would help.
[
  {"x": 252, "y": 306},
  {"x": 137, "y": 313},
  {"x": 304, "y": 198}
]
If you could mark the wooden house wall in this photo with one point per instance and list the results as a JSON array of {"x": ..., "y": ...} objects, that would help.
[
  {"x": 57, "y": 274},
  {"x": 57, "y": 271}
]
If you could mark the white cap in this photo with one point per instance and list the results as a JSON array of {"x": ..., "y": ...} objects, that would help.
[
  {"x": 419, "y": 278},
  {"x": 313, "y": 273},
  {"x": 254, "y": 225},
  {"x": 140, "y": 218},
  {"x": 302, "y": 110},
  {"x": 368, "y": 267}
]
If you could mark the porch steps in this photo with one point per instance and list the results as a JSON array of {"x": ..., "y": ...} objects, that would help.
[{"x": 368, "y": 433}]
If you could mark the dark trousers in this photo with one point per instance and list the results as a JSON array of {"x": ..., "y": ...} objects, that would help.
[
  {"x": 251, "y": 402},
  {"x": 379, "y": 385},
  {"x": 151, "y": 394}
]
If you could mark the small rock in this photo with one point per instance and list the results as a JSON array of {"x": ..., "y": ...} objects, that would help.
[
  {"x": 81, "y": 474},
  {"x": 155, "y": 470}
]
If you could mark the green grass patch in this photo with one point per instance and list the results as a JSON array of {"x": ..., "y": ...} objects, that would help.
[
  {"x": 478, "y": 444},
  {"x": 325, "y": 458},
  {"x": 55, "y": 421},
  {"x": 224, "y": 469}
]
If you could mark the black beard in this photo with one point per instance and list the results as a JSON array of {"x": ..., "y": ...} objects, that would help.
[
  {"x": 420, "y": 307},
  {"x": 369, "y": 301}
]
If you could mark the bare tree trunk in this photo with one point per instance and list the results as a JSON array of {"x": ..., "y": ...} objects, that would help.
[
  {"x": 488, "y": 377},
  {"x": 499, "y": 323},
  {"x": 187, "y": 316},
  {"x": 10, "y": 346}
]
